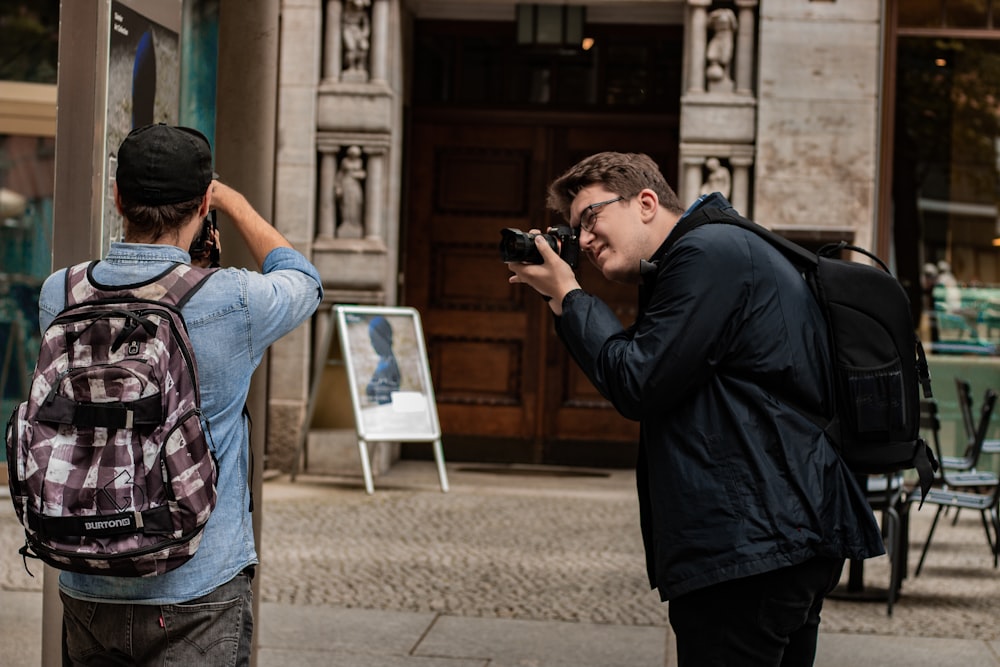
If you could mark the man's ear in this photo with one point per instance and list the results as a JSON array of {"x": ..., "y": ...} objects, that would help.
[
  {"x": 649, "y": 204},
  {"x": 118, "y": 199},
  {"x": 206, "y": 203}
]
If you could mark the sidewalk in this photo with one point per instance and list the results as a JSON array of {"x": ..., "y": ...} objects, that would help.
[
  {"x": 307, "y": 636},
  {"x": 519, "y": 568}
]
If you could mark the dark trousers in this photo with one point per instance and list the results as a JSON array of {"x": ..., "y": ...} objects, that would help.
[
  {"x": 767, "y": 620},
  {"x": 216, "y": 630}
]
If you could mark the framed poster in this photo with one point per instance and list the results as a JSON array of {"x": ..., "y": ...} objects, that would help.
[
  {"x": 388, "y": 374},
  {"x": 119, "y": 66},
  {"x": 143, "y": 83}
]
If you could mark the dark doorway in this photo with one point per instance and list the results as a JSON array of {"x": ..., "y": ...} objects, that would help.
[{"x": 491, "y": 126}]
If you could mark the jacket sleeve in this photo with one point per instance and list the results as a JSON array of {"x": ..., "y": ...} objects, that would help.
[
  {"x": 286, "y": 293},
  {"x": 51, "y": 299},
  {"x": 698, "y": 301}
]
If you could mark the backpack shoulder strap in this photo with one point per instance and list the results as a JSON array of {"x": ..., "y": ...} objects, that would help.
[
  {"x": 800, "y": 257},
  {"x": 173, "y": 287},
  {"x": 702, "y": 215},
  {"x": 77, "y": 283},
  {"x": 182, "y": 282}
]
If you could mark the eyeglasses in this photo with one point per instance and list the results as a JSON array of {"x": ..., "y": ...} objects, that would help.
[{"x": 588, "y": 216}]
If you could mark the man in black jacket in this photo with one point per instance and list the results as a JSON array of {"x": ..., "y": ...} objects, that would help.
[{"x": 747, "y": 512}]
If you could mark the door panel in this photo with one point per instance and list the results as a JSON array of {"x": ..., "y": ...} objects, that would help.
[
  {"x": 499, "y": 370},
  {"x": 580, "y": 421},
  {"x": 467, "y": 183}
]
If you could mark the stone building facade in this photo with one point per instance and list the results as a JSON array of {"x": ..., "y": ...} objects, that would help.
[{"x": 779, "y": 105}]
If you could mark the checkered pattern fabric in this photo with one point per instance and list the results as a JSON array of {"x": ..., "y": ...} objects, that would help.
[{"x": 110, "y": 468}]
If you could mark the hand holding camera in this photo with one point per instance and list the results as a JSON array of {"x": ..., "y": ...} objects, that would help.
[
  {"x": 206, "y": 250},
  {"x": 532, "y": 258},
  {"x": 518, "y": 246}
]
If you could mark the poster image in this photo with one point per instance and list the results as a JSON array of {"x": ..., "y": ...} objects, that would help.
[
  {"x": 387, "y": 368},
  {"x": 143, "y": 88}
]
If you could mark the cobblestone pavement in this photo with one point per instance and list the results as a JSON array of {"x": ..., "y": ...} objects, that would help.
[
  {"x": 528, "y": 548},
  {"x": 530, "y": 544}
]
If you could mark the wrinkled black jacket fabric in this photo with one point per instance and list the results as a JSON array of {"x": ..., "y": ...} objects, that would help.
[{"x": 732, "y": 479}]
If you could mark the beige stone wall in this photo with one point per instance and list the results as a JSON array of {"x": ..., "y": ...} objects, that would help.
[
  {"x": 328, "y": 104},
  {"x": 817, "y": 124},
  {"x": 294, "y": 214}
]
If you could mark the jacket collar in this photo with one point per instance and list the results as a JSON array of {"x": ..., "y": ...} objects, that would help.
[{"x": 648, "y": 269}]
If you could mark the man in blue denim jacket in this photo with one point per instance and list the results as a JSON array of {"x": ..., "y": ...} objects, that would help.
[{"x": 201, "y": 612}]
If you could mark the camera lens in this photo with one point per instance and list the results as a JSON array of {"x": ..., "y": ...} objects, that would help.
[{"x": 518, "y": 246}]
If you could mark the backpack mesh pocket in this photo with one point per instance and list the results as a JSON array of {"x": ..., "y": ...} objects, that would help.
[{"x": 876, "y": 399}]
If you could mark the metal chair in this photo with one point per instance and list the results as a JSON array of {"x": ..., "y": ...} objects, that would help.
[
  {"x": 960, "y": 471},
  {"x": 885, "y": 494},
  {"x": 965, "y": 405},
  {"x": 984, "y": 503},
  {"x": 963, "y": 489}
]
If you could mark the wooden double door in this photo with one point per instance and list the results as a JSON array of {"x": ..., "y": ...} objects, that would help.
[{"x": 506, "y": 388}]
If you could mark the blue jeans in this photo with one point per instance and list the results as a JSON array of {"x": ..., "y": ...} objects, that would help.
[
  {"x": 216, "y": 629},
  {"x": 767, "y": 620}
]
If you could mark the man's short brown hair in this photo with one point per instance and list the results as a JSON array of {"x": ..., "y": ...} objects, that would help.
[
  {"x": 146, "y": 223},
  {"x": 625, "y": 174}
]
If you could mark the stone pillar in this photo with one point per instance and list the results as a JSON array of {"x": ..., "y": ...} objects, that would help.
[
  {"x": 375, "y": 193},
  {"x": 327, "y": 223},
  {"x": 697, "y": 40},
  {"x": 744, "y": 46},
  {"x": 381, "y": 44},
  {"x": 692, "y": 178},
  {"x": 331, "y": 41},
  {"x": 741, "y": 184},
  {"x": 245, "y": 150}
]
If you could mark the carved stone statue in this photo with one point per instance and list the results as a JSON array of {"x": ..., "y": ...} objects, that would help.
[
  {"x": 719, "y": 52},
  {"x": 718, "y": 180},
  {"x": 350, "y": 192},
  {"x": 357, "y": 33}
]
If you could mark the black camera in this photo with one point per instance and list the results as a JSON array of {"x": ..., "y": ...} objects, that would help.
[
  {"x": 518, "y": 246},
  {"x": 202, "y": 245}
]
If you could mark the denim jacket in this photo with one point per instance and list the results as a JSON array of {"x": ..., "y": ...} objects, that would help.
[{"x": 231, "y": 320}]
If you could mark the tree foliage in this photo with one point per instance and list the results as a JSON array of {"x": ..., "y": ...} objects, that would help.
[{"x": 29, "y": 40}]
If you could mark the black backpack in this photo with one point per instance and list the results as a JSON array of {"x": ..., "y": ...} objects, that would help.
[{"x": 879, "y": 361}]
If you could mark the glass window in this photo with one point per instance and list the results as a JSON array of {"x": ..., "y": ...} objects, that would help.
[
  {"x": 947, "y": 186},
  {"x": 967, "y": 13},
  {"x": 29, "y": 40},
  {"x": 481, "y": 64},
  {"x": 27, "y": 176}
]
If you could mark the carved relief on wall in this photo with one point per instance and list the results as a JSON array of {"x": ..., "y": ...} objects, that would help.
[
  {"x": 356, "y": 26},
  {"x": 350, "y": 192},
  {"x": 717, "y": 179},
  {"x": 719, "y": 52}
]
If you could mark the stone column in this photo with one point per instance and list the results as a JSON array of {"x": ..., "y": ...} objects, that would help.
[
  {"x": 741, "y": 184},
  {"x": 697, "y": 40},
  {"x": 744, "y": 46},
  {"x": 374, "y": 193},
  {"x": 245, "y": 150},
  {"x": 327, "y": 223},
  {"x": 692, "y": 178},
  {"x": 331, "y": 41},
  {"x": 381, "y": 44}
]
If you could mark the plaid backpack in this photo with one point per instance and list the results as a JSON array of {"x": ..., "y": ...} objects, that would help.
[{"x": 110, "y": 471}]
